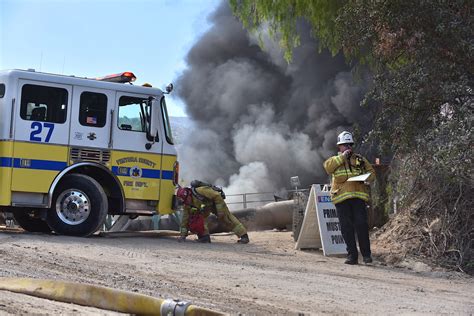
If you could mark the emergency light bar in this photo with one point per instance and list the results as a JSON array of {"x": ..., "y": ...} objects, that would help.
[{"x": 119, "y": 78}]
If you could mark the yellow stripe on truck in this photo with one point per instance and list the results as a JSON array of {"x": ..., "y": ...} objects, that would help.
[
  {"x": 29, "y": 178},
  {"x": 167, "y": 186},
  {"x": 6, "y": 151},
  {"x": 138, "y": 173}
]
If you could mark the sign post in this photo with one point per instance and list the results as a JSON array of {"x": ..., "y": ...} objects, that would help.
[{"x": 321, "y": 226}]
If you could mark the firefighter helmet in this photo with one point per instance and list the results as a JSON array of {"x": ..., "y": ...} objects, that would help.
[
  {"x": 183, "y": 193},
  {"x": 345, "y": 138}
]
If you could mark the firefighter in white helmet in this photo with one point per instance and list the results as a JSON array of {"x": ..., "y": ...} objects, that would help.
[{"x": 350, "y": 197}]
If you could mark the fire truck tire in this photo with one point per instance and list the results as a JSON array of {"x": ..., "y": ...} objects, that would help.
[
  {"x": 26, "y": 219},
  {"x": 79, "y": 206}
]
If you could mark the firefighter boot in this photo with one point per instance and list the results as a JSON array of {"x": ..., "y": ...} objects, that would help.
[
  {"x": 204, "y": 239},
  {"x": 244, "y": 239},
  {"x": 351, "y": 260}
]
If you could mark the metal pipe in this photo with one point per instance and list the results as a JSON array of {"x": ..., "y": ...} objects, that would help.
[{"x": 272, "y": 215}]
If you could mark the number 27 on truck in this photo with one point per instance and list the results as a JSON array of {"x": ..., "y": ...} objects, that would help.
[{"x": 73, "y": 150}]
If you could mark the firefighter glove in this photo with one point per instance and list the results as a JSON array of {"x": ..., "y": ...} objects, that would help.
[{"x": 347, "y": 153}]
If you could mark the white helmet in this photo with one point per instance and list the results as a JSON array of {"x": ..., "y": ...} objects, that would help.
[{"x": 345, "y": 138}]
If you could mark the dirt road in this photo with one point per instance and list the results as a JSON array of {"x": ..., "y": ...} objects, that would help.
[{"x": 265, "y": 277}]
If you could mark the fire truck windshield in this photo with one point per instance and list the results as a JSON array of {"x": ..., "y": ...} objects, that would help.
[
  {"x": 166, "y": 121},
  {"x": 134, "y": 114}
]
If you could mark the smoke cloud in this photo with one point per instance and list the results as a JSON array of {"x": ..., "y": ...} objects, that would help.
[{"x": 259, "y": 120}]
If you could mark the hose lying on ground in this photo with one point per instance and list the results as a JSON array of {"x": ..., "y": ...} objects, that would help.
[
  {"x": 102, "y": 297},
  {"x": 148, "y": 233}
]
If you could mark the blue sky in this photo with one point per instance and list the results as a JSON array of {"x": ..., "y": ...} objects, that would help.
[{"x": 91, "y": 38}]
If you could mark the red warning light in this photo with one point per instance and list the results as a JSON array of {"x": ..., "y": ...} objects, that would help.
[{"x": 123, "y": 77}]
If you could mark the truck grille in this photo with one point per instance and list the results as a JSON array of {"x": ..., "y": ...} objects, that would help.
[{"x": 89, "y": 154}]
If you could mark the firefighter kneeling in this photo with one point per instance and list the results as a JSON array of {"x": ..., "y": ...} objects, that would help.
[{"x": 199, "y": 203}]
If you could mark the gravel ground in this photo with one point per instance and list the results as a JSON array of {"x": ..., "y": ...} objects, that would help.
[{"x": 266, "y": 277}]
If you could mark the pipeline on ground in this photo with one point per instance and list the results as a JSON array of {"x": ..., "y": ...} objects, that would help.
[{"x": 272, "y": 215}]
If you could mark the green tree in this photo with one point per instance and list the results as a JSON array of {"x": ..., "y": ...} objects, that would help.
[
  {"x": 421, "y": 56},
  {"x": 421, "y": 52},
  {"x": 281, "y": 17}
]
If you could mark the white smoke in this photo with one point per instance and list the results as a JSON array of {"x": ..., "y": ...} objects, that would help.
[{"x": 251, "y": 178}]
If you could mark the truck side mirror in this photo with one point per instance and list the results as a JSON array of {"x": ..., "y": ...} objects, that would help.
[
  {"x": 153, "y": 104},
  {"x": 169, "y": 88}
]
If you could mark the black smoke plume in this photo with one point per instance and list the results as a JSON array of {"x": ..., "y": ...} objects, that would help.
[{"x": 259, "y": 120}]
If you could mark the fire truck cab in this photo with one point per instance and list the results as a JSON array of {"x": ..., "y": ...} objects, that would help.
[{"x": 73, "y": 150}]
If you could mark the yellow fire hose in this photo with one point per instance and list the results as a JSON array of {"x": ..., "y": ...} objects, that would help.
[{"x": 102, "y": 297}]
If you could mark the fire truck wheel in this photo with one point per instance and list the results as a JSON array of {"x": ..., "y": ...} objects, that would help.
[
  {"x": 79, "y": 206},
  {"x": 29, "y": 221}
]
